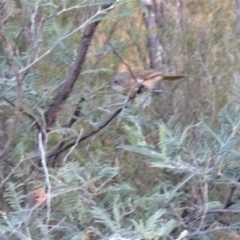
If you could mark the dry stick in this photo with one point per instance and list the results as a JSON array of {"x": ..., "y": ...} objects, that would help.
[
  {"x": 72, "y": 148},
  {"x": 46, "y": 173}
]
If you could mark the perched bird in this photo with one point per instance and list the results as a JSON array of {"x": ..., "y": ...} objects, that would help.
[{"x": 131, "y": 83}]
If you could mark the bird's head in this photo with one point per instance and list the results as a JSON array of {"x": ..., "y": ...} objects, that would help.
[{"x": 119, "y": 82}]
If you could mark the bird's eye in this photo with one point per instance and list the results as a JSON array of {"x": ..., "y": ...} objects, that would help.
[{"x": 115, "y": 81}]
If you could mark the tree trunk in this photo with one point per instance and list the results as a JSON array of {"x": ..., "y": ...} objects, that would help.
[{"x": 153, "y": 15}]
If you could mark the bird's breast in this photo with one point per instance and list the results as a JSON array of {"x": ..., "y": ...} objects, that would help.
[{"x": 117, "y": 88}]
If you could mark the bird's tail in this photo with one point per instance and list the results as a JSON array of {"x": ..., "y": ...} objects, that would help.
[
  {"x": 172, "y": 77},
  {"x": 155, "y": 77}
]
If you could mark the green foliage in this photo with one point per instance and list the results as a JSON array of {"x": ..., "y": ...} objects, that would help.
[
  {"x": 217, "y": 153},
  {"x": 14, "y": 195},
  {"x": 75, "y": 203},
  {"x": 83, "y": 194},
  {"x": 168, "y": 170}
]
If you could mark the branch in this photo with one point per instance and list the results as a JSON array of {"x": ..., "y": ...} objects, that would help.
[
  {"x": 129, "y": 68},
  {"x": 69, "y": 125},
  {"x": 84, "y": 137},
  {"x": 53, "y": 112},
  {"x": 72, "y": 148},
  {"x": 76, "y": 113},
  {"x": 78, "y": 108},
  {"x": 46, "y": 173}
]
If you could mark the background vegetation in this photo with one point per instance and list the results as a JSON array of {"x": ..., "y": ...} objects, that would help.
[{"x": 76, "y": 162}]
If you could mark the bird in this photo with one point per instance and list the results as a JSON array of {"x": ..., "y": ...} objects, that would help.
[{"x": 131, "y": 83}]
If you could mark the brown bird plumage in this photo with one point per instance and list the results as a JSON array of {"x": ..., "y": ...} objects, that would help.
[{"x": 130, "y": 85}]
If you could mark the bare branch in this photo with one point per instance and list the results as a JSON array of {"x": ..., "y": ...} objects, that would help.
[
  {"x": 76, "y": 113},
  {"x": 72, "y": 148},
  {"x": 129, "y": 68},
  {"x": 86, "y": 136},
  {"x": 47, "y": 178},
  {"x": 52, "y": 113}
]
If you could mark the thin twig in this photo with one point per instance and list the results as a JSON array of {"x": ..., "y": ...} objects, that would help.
[
  {"x": 72, "y": 148},
  {"x": 57, "y": 225},
  {"x": 47, "y": 178},
  {"x": 129, "y": 68},
  {"x": 75, "y": 113}
]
